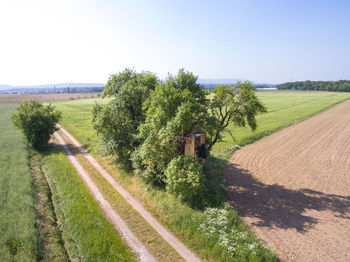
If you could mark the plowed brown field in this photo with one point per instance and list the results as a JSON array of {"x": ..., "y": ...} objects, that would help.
[
  {"x": 293, "y": 187},
  {"x": 14, "y": 99}
]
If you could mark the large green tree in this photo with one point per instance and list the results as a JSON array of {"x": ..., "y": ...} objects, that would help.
[
  {"x": 172, "y": 110},
  {"x": 231, "y": 105},
  {"x": 117, "y": 122},
  {"x": 178, "y": 108},
  {"x": 147, "y": 122}
]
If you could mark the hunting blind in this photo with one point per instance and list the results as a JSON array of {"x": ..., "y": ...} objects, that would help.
[{"x": 195, "y": 146}]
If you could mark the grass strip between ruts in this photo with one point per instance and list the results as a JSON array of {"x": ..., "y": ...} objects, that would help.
[{"x": 87, "y": 233}]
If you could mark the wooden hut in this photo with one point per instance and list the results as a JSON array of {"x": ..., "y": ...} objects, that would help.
[{"x": 195, "y": 146}]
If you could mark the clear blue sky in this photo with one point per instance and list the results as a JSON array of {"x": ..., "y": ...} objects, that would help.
[{"x": 86, "y": 41}]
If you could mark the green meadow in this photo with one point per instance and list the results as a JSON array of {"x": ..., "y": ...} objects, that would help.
[
  {"x": 76, "y": 118},
  {"x": 283, "y": 109},
  {"x": 39, "y": 224},
  {"x": 18, "y": 237}
]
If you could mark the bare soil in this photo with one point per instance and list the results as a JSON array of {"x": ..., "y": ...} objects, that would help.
[
  {"x": 14, "y": 99},
  {"x": 293, "y": 187}
]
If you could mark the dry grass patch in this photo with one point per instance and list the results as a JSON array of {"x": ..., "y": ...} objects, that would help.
[{"x": 15, "y": 99}]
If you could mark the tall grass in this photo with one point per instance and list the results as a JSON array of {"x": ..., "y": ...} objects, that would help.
[
  {"x": 50, "y": 244},
  {"x": 18, "y": 235}
]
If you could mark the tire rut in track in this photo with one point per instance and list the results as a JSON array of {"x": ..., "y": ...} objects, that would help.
[
  {"x": 135, "y": 244},
  {"x": 293, "y": 187},
  {"x": 173, "y": 241}
]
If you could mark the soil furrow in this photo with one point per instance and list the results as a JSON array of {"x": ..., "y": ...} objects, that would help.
[{"x": 292, "y": 187}]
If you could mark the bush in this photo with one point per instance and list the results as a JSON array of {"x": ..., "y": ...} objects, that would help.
[
  {"x": 230, "y": 238},
  {"x": 185, "y": 179},
  {"x": 215, "y": 192},
  {"x": 38, "y": 122}
]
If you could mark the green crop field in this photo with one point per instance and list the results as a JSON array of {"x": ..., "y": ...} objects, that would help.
[
  {"x": 18, "y": 238},
  {"x": 77, "y": 119},
  {"x": 283, "y": 109}
]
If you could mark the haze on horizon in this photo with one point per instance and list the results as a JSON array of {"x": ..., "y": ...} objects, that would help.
[{"x": 64, "y": 41}]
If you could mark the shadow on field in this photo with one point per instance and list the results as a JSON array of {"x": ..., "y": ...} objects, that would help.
[{"x": 277, "y": 206}]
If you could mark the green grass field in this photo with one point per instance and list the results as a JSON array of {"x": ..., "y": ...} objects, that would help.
[
  {"x": 283, "y": 109},
  {"x": 18, "y": 235},
  {"x": 77, "y": 119}
]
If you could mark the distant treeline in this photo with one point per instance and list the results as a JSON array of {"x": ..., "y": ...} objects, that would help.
[
  {"x": 213, "y": 86},
  {"x": 60, "y": 90},
  {"x": 336, "y": 86}
]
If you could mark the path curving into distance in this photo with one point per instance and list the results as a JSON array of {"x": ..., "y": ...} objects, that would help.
[
  {"x": 293, "y": 187},
  {"x": 174, "y": 242}
]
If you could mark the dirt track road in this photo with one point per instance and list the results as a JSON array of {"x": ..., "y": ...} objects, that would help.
[
  {"x": 293, "y": 187},
  {"x": 119, "y": 223},
  {"x": 173, "y": 241}
]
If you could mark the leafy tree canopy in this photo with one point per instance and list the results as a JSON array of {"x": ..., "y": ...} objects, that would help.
[
  {"x": 237, "y": 105},
  {"x": 128, "y": 78},
  {"x": 117, "y": 123},
  {"x": 179, "y": 108},
  {"x": 172, "y": 110},
  {"x": 38, "y": 122},
  {"x": 147, "y": 122}
]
